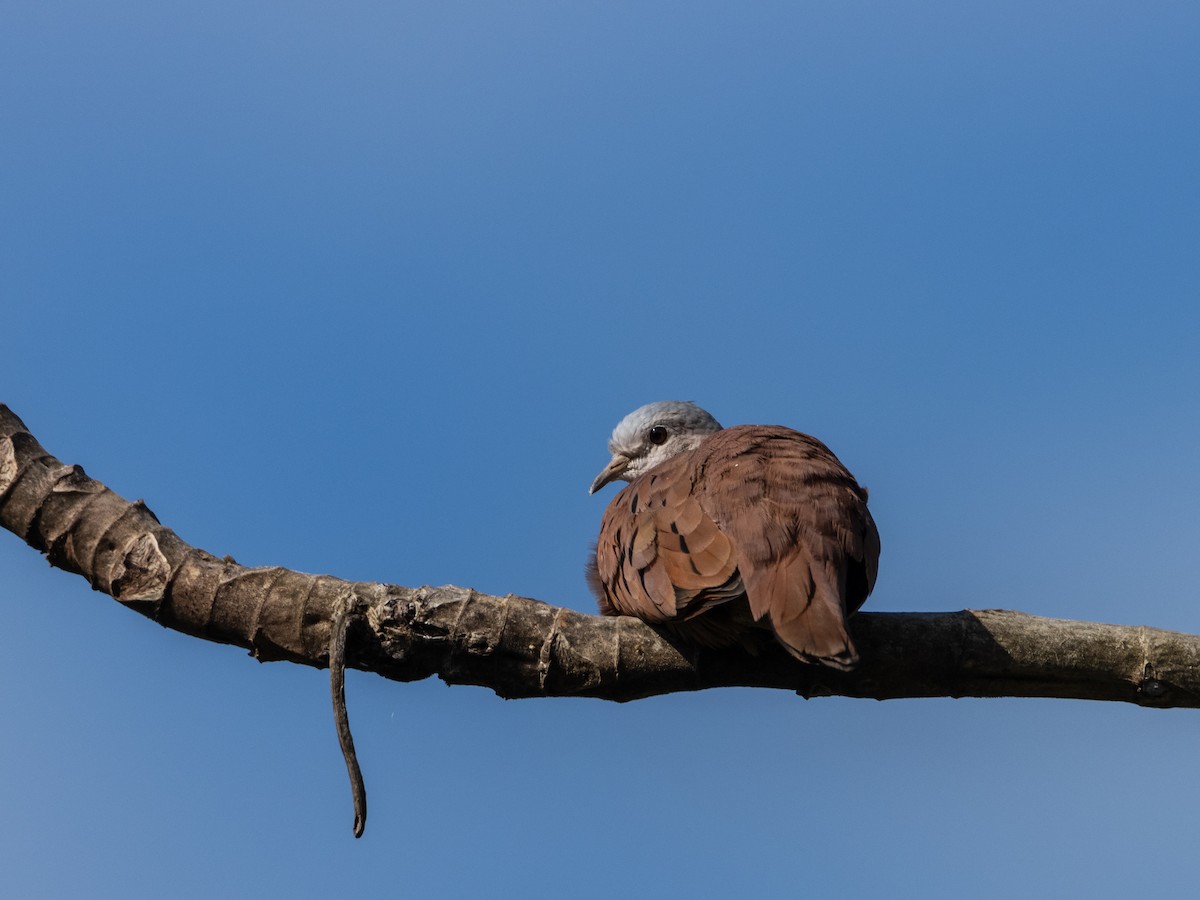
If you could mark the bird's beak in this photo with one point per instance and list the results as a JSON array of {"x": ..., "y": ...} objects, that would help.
[{"x": 618, "y": 464}]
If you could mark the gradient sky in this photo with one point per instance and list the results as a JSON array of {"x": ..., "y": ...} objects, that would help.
[{"x": 361, "y": 288}]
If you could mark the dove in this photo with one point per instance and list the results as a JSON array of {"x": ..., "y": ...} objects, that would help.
[{"x": 726, "y": 533}]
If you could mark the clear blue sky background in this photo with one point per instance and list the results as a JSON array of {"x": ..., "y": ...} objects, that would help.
[{"x": 361, "y": 288}]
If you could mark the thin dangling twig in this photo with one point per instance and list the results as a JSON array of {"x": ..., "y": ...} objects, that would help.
[{"x": 337, "y": 684}]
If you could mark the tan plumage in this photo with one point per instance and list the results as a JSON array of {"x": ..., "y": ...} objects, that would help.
[{"x": 755, "y": 524}]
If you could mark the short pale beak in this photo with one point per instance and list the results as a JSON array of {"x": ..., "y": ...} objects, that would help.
[{"x": 618, "y": 464}]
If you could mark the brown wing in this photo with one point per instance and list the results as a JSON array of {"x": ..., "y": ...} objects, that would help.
[
  {"x": 659, "y": 556},
  {"x": 807, "y": 548}
]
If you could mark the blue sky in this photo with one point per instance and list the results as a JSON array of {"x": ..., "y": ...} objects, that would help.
[{"x": 361, "y": 289}]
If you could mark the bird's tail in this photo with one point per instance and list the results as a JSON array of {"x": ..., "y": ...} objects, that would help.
[{"x": 804, "y": 606}]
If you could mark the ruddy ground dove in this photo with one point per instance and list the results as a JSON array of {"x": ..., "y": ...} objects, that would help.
[{"x": 723, "y": 532}]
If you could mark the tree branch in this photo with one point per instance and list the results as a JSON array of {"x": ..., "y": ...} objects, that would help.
[{"x": 523, "y": 648}]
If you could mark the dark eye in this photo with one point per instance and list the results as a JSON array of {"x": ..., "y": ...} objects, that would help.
[{"x": 657, "y": 434}]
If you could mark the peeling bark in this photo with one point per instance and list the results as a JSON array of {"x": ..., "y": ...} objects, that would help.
[{"x": 520, "y": 647}]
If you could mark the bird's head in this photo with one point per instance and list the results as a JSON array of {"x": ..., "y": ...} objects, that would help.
[{"x": 653, "y": 434}]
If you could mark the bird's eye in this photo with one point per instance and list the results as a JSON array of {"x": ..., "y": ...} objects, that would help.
[{"x": 657, "y": 434}]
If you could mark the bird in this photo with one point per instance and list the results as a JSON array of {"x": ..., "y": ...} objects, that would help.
[{"x": 725, "y": 534}]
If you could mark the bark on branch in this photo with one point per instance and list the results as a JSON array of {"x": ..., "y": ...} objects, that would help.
[{"x": 520, "y": 647}]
